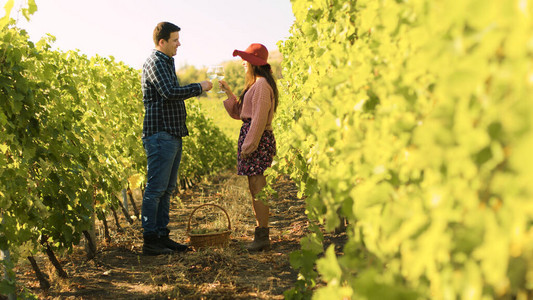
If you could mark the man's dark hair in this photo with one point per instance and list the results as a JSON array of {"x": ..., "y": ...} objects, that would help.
[{"x": 163, "y": 31}]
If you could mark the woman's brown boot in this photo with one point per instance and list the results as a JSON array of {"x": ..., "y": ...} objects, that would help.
[{"x": 261, "y": 240}]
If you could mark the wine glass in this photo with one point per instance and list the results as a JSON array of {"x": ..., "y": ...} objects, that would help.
[
  {"x": 219, "y": 70},
  {"x": 211, "y": 73}
]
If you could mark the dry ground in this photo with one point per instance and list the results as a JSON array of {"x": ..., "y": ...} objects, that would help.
[{"x": 119, "y": 271}]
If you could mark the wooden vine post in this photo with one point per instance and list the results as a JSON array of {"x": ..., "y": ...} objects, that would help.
[
  {"x": 117, "y": 223},
  {"x": 43, "y": 282},
  {"x": 135, "y": 210},
  {"x": 106, "y": 227},
  {"x": 124, "y": 210},
  {"x": 53, "y": 259},
  {"x": 90, "y": 235},
  {"x": 90, "y": 244}
]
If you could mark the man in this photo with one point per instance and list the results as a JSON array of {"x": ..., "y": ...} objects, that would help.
[{"x": 163, "y": 129}]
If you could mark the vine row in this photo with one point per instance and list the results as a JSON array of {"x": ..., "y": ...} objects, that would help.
[{"x": 412, "y": 120}]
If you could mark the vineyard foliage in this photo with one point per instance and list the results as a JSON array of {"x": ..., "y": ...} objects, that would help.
[
  {"x": 412, "y": 120},
  {"x": 70, "y": 139}
]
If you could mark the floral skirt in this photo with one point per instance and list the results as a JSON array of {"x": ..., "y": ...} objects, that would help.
[{"x": 259, "y": 160}]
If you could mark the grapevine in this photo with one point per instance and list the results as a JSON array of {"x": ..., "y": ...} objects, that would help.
[
  {"x": 412, "y": 120},
  {"x": 70, "y": 139}
]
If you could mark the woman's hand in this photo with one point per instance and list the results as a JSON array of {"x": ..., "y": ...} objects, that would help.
[{"x": 225, "y": 87}]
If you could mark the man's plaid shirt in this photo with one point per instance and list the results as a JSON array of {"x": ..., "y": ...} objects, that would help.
[{"x": 163, "y": 97}]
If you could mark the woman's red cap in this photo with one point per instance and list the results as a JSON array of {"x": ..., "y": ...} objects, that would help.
[{"x": 256, "y": 54}]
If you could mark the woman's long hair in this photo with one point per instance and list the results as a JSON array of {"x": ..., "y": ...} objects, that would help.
[{"x": 260, "y": 71}]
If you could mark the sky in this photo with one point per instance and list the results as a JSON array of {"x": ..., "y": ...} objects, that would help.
[{"x": 210, "y": 29}]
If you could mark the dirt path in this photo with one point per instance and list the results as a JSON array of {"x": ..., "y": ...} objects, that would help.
[{"x": 119, "y": 271}]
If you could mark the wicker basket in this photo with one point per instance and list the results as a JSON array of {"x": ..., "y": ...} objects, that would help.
[{"x": 209, "y": 239}]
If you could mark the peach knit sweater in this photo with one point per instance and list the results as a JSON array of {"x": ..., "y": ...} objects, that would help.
[{"x": 258, "y": 105}]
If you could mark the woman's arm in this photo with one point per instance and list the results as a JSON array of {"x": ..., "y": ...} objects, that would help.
[{"x": 233, "y": 107}]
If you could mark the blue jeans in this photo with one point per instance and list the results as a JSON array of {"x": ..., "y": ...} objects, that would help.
[{"x": 163, "y": 152}]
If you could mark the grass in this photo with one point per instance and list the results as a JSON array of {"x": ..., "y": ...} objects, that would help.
[{"x": 213, "y": 108}]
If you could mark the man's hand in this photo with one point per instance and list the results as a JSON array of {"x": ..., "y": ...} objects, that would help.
[{"x": 206, "y": 85}]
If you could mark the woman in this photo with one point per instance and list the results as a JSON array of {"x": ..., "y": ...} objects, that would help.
[{"x": 256, "y": 146}]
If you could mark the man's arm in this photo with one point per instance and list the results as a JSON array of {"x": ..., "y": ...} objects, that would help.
[{"x": 167, "y": 87}]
